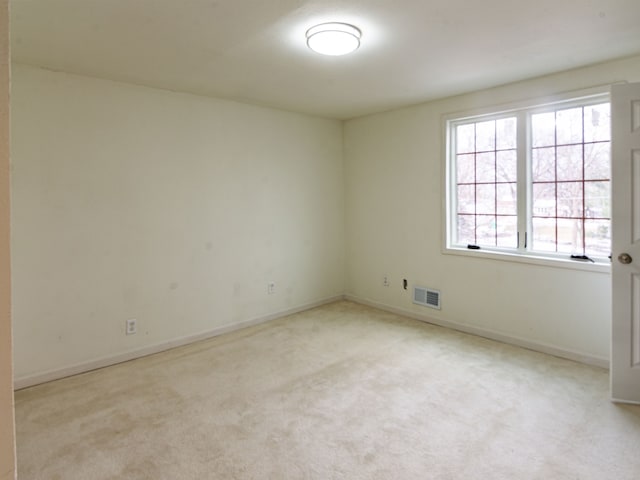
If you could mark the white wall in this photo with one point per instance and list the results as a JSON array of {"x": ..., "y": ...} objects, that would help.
[
  {"x": 176, "y": 210},
  {"x": 394, "y": 165},
  {"x": 130, "y": 202}
]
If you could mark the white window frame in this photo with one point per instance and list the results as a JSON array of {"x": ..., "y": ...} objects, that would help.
[{"x": 523, "y": 112}]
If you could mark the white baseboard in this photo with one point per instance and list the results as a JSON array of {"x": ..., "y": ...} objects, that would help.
[
  {"x": 56, "y": 374},
  {"x": 490, "y": 334}
]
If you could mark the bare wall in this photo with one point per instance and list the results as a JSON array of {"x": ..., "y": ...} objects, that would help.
[
  {"x": 177, "y": 210},
  {"x": 394, "y": 165},
  {"x": 173, "y": 209}
]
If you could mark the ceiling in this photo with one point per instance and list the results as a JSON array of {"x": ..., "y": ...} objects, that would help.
[{"x": 254, "y": 50}]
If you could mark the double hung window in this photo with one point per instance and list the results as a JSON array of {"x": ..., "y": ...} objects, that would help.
[{"x": 532, "y": 181}]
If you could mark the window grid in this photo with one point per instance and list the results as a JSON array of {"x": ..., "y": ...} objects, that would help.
[
  {"x": 464, "y": 217},
  {"x": 500, "y": 212},
  {"x": 582, "y": 216}
]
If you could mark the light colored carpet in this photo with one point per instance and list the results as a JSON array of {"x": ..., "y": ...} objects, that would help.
[{"x": 339, "y": 392}]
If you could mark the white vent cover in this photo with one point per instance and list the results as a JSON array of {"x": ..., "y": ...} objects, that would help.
[{"x": 426, "y": 297}]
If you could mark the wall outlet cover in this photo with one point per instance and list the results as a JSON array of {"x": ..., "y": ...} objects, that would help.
[{"x": 132, "y": 326}]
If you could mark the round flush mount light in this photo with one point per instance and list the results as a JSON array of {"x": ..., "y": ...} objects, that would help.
[{"x": 333, "y": 38}]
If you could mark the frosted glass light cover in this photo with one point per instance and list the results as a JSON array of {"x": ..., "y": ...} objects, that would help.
[{"x": 333, "y": 38}]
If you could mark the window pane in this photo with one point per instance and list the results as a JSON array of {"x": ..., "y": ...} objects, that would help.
[
  {"x": 465, "y": 168},
  {"x": 507, "y": 199},
  {"x": 486, "y": 167},
  {"x": 507, "y": 166},
  {"x": 466, "y": 229},
  {"x": 597, "y": 161},
  {"x": 466, "y": 198},
  {"x": 597, "y": 238},
  {"x": 597, "y": 199},
  {"x": 570, "y": 236},
  {"x": 597, "y": 123},
  {"x": 465, "y": 138},
  {"x": 507, "y": 231},
  {"x": 543, "y": 164},
  {"x": 477, "y": 177},
  {"x": 506, "y": 133},
  {"x": 569, "y": 162},
  {"x": 486, "y": 199},
  {"x": 486, "y": 230},
  {"x": 570, "y": 199},
  {"x": 485, "y": 136},
  {"x": 569, "y": 126},
  {"x": 544, "y": 199},
  {"x": 544, "y": 234},
  {"x": 543, "y": 128}
]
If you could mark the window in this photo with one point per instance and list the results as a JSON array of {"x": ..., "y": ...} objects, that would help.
[{"x": 532, "y": 181}]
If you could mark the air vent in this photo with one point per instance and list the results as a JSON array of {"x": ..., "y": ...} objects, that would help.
[{"x": 426, "y": 297}]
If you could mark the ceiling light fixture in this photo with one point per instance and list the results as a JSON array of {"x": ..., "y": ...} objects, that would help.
[{"x": 333, "y": 38}]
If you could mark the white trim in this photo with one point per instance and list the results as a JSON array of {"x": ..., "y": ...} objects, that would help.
[
  {"x": 57, "y": 374},
  {"x": 489, "y": 334},
  {"x": 528, "y": 103},
  {"x": 541, "y": 261}
]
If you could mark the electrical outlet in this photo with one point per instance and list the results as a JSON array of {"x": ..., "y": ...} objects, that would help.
[
  {"x": 385, "y": 281},
  {"x": 132, "y": 326},
  {"x": 271, "y": 288}
]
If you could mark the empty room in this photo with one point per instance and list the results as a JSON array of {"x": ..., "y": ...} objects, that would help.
[{"x": 293, "y": 239}]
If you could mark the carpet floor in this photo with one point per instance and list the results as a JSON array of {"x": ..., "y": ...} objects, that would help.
[{"x": 342, "y": 391}]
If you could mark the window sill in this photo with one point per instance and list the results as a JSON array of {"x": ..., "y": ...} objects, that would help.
[{"x": 531, "y": 259}]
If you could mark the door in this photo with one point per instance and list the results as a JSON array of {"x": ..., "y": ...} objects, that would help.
[{"x": 625, "y": 216}]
